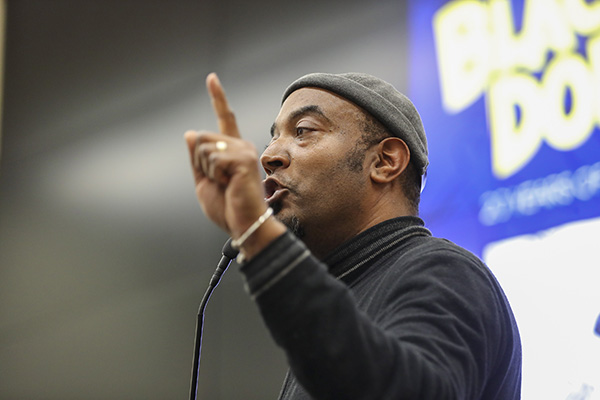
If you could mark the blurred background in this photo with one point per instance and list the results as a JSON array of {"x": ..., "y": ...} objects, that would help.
[{"x": 105, "y": 253}]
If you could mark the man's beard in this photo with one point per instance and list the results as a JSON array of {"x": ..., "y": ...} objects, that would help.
[{"x": 292, "y": 223}]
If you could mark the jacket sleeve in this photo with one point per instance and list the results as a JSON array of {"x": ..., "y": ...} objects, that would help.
[{"x": 428, "y": 341}]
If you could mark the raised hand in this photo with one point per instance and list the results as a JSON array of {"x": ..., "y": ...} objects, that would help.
[{"x": 226, "y": 171}]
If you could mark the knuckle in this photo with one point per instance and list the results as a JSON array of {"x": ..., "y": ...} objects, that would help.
[
  {"x": 202, "y": 136},
  {"x": 204, "y": 149}
]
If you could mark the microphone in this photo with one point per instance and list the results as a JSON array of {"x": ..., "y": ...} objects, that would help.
[
  {"x": 228, "y": 254},
  {"x": 229, "y": 251}
]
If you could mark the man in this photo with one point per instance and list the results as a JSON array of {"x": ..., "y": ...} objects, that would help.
[{"x": 363, "y": 300}]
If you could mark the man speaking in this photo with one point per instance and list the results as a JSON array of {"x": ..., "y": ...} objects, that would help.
[{"x": 364, "y": 301}]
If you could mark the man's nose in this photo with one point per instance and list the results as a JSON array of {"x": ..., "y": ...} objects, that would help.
[{"x": 274, "y": 158}]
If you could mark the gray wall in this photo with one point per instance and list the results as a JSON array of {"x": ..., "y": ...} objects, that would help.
[{"x": 104, "y": 252}]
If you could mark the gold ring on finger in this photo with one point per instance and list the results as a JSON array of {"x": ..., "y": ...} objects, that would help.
[{"x": 221, "y": 145}]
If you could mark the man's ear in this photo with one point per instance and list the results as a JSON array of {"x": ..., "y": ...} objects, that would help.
[{"x": 393, "y": 157}]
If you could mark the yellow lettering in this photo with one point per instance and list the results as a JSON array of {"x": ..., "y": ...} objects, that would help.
[
  {"x": 584, "y": 17},
  {"x": 461, "y": 38},
  {"x": 544, "y": 29},
  {"x": 479, "y": 51},
  {"x": 514, "y": 142},
  {"x": 547, "y": 18},
  {"x": 566, "y": 131},
  {"x": 593, "y": 53},
  {"x": 503, "y": 39}
]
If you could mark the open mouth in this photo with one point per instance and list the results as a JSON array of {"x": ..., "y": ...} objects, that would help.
[{"x": 274, "y": 191}]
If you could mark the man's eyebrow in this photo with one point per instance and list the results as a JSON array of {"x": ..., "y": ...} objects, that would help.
[
  {"x": 306, "y": 110},
  {"x": 310, "y": 109}
]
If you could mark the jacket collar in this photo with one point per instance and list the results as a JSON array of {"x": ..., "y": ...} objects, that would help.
[{"x": 366, "y": 247}]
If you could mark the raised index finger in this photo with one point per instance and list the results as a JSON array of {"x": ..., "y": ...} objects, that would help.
[{"x": 225, "y": 117}]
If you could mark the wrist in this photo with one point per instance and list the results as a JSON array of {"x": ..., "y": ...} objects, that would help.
[{"x": 258, "y": 240}]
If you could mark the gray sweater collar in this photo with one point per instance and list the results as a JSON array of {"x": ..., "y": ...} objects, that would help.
[{"x": 365, "y": 248}]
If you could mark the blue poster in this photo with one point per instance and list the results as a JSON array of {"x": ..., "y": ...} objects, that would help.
[{"x": 509, "y": 93}]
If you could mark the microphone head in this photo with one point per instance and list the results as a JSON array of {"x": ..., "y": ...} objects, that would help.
[{"x": 229, "y": 251}]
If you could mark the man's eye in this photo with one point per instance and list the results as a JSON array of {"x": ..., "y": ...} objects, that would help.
[{"x": 301, "y": 130}]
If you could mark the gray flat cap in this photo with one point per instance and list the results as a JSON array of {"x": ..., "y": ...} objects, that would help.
[{"x": 390, "y": 107}]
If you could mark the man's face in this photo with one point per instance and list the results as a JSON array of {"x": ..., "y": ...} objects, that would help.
[{"x": 316, "y": 180}]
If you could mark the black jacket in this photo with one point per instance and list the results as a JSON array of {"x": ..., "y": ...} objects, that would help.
[{"x": 392, "y": 314}]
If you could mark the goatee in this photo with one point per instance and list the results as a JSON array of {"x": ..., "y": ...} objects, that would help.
[{"x": 292, "y": 223}]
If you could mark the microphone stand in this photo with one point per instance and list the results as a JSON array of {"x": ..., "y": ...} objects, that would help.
[{"x": 229, "y": 253}]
